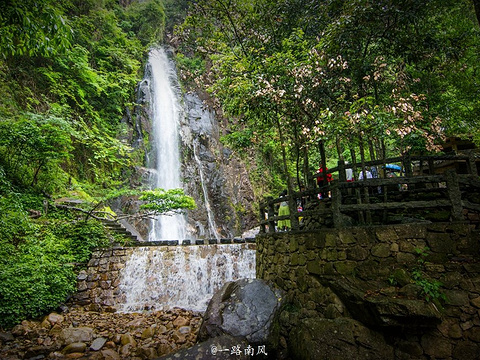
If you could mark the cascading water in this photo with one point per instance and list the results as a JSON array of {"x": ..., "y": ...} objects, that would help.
[
  {"x": 211, "y": 220},
  {"x": 159, "y": 277},
  {"x": 166, "y": 113}
]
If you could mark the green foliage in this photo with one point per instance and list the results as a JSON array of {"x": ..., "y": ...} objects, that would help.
[
  {"x": 68, "y": 72},
  {"x": 431, "y": 289},
  {"x": 160, "y": 201},
  {"x": 32, "y": 145},
  {"x": 397, "y": 75},
  {"x": 81, "y": 238},
  {"x": 175, "y": 12},
  {"x": 147, "y": 20},
  {"x": 36, "y": 259},
  {"x": 32, "y": 28}
]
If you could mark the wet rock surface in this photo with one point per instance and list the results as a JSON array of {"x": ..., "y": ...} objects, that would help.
[
  {"x": 245, "y": 308},
  {"x": 241, "y": 322},
  {"x": 81, "y": 334}
]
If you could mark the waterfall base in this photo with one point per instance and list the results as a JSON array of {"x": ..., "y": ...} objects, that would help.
[{"x": 156, "y": 278}]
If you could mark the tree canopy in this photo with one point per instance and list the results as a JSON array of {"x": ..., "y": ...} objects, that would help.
[{"x": 348, "y": 75}]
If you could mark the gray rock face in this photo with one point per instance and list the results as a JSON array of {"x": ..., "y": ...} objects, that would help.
[
  {"x": 247, "y": 308},
  {"x": 98, "y": 343},
  {"x": 325, "y": 339},
  {"x": 381, "y": 310}
]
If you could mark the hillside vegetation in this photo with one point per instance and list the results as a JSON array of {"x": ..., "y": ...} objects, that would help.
[{"x": 68, "y": 72}]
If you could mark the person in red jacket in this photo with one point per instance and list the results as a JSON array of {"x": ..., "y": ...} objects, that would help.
[{"x": 321, "y": 178}]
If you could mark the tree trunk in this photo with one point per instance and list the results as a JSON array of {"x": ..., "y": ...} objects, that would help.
[
  {"x": 297, "y": 165},
  {"x": 354, "y": 161},
  {"x": 362, "y": 157},
  {"x": 323, "y": 158},
  {"x": 339, "y": 148},
  {"x": 476, "y": 4},
  {"x": 306, "y": 170},
  {"x": 371, "y": 150},
  {"x": 291, "y": 201},
  {"x": 35, "y": 176}
]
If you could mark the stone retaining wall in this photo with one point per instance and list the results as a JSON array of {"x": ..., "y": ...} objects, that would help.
[
  {"x": 377, "y": 276},
  {"x": 98, "y": 287}
]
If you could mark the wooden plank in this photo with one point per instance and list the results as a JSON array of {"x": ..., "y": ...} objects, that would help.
[
  {"x": 393, "y": 181},
  {"x": 396, "y": 205}
]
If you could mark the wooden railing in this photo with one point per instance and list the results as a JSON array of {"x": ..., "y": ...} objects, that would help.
[{"x": 447, "y": 193}]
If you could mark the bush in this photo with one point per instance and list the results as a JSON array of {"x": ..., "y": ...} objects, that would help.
[{"x": 38, "y": 273}]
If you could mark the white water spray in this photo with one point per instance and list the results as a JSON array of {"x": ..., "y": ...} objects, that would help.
[
  {"x": 211, "y": 220},
  {"x": 166, "y": 112},
  {"x": 160, "y": 277},
  {"x": 157, "y": 278}
]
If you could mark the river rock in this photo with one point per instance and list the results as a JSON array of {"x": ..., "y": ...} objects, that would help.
[
  {"x": 55, "y": 318},
  {"x": 180, "y": 321},
  {"x": 246, "y": 308},
  {"x": 148, "y": 333},
  {"x": 110, "y": 354},
  {"x": 6, "y": 336},
  {"x": 126, "y": 339},
  {"x": 221, "y": 347},
  {"x": 98, "y": 343},
  {"x": 79, "y": 334},
  {"x": 76, "y": 347}
]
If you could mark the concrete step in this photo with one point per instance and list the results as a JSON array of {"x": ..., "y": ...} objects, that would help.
[{"x": 118, "y": 228}]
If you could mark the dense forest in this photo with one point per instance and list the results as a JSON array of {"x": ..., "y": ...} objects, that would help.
[
  {"x": 305, "y": 80},
  {"x": 294, "y": 81}
]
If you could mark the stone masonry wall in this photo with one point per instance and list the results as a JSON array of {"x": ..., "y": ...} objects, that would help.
[
  {"x": 97, "y": 286},
  {"x": 324, "y": 272}
]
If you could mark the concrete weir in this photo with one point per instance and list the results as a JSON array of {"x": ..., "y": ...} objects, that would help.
[{"x": 155, "y": 277}]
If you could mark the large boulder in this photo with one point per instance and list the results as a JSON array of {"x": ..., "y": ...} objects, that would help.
[
  {"x": 246, "y": 308},
  {"x": 241, "y": 321}
]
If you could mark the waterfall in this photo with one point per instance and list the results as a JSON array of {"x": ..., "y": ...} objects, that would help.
[
  {"x": 211, "y": 220},
  {"x": 163, "y": 277},
  {"x": 159, "y": 277},
  {"x": 166, "y": 114}
]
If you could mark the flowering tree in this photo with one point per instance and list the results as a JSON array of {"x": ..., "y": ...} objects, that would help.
[{"x": 355, "y": 74}]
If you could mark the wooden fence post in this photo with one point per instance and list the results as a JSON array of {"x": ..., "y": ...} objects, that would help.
[
  {"x": 454, "y": 194},
  {"x": 262, "y": 218},
  {"x": 292, "y": 206},
  {"x": 407, "y": 165},
  {"x": 472, "y": 166},
  {"x": 271, "y": 215},
  {"x": 342, "y": 176}
]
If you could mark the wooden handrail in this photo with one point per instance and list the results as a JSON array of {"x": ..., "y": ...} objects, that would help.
[
  {"x": 399, "y": 159},
  {"x": 450, "y": 186}
]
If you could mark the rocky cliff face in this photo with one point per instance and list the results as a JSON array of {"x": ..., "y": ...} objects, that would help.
[{"x": 212, "y": 174}]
